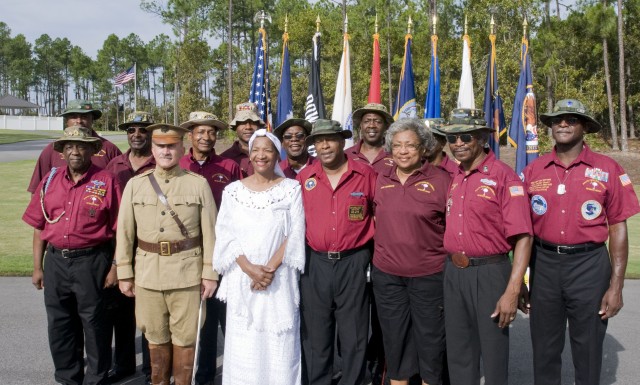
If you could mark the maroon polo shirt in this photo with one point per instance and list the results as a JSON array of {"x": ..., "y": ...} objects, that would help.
[
  {"x": 218, "y": 171},
  {"x": 598, "y": 193},
  {"x": 485, "y": 209},
  {"x": 290, "y": 172},
  {"x": 340, "y": 219},
  {"x": 121, "y": 166},
  {"x": 410, "y": 222},
  {"x": 381, "y": 163},
  {"x": 50, "y": 158},
  {"x": 90, "y": 209},
  {"x": 235, "y": 154},
  {"x": 449, "y": 165}
]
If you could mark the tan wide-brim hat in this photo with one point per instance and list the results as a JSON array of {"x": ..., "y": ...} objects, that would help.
[
  {"x": 326, "y": 127},
  {"x": 246, "y": 112},
  {"x": 203, "y": 118},
  {"x": 279, "y": 131},
  {"x": 77, "y": 134},
  {"x": 162, "y": 133},
  {"x": 374, "y": 108}
]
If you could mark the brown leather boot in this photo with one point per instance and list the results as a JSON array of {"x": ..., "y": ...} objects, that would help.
[
  {"x": 183, "y": 364},
  {"x": 160, "y": 356}
]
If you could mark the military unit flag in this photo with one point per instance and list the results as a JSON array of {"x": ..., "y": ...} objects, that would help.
[
  {"x": 493, "y": 112},
  {"x": 314, "y": 107},
  {"x": 465, "y": 92},
  {"x": 432, "y": 102},
  {"x": 342, "y": 102},
  {"x": 405, "y": 105},
  {"x": 285, "y": 97},
  {"x": 260, "y": 94}
]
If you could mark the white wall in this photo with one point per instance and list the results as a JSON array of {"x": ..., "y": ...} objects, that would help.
[{"x": 32, "y": 123}]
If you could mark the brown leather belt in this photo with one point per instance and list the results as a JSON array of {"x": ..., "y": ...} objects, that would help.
[
  {"x": 461, "y": 261},
  {"x": 167, "y": 248}
]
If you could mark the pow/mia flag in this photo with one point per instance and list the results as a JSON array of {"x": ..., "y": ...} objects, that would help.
[{"x": 314, "y": 107}]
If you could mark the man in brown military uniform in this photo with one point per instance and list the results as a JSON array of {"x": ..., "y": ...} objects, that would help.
[{"x": 170, "y": 214}]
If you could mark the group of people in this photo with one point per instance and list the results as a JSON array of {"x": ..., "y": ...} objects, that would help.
[{"x": 389, "y": 252}]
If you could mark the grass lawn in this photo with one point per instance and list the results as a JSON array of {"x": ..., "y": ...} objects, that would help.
[
  {"x": 14, "y": 136},
  {"x": 15, "y": 239}
]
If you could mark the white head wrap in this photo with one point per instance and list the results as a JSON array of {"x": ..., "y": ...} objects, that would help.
[{"x": 276, "y": 143}]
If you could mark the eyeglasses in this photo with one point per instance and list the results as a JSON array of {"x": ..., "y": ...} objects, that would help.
[
  {"x": 132, "y": 130},
  {"x": 409, "y": 146},
  {"x": 465, "y": 138},
  {"x": 570, "y": 120},
  {"x": 298, "y": 135}
]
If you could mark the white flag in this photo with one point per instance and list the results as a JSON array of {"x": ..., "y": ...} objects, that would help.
[
  {"x": 342, "y": 100},
  {"x": 465, "y": 93}
]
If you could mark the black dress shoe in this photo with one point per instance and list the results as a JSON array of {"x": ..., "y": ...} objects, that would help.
[
  {"x": 119, "y": 375},
  {"x": 147, "y": 379}
]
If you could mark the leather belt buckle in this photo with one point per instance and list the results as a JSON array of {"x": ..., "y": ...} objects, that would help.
[
  {"x": 65, "y": 253},
  {"x": 165, "y": 248},
  {"x": 460, "y": 260},
  {"x": 333, "y": 255},
  {"x": 558, "y": 248}
]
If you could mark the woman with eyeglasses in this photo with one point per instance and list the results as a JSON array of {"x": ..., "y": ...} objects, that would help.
[
  {"x": 409, "y": 256},
  {"x": 292, "y": 133}
]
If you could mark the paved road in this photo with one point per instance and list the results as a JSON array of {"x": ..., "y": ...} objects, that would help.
[
  {"x": 31, "y": 149},
  {"x": 25, "y": 357}
]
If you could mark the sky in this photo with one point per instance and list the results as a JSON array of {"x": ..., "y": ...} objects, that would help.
[{"x": 86, "y": 23}]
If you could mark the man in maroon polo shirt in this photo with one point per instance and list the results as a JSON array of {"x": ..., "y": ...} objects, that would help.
[
  {"x": 219, "y": 172},
  {"x": 292, "y": 134},
  {"x": 338, "y": 197},
  {"x": 77, "y": 113},
  {"x": 372, "y": 122},
  {"x": 74, "y": 216},
  {"x": 579, "y": 199},
  {"x": 437, "y": 156},
  {"x": 245, "y": 123},
  {"x": 487, "y": 217},
  {"x": 136, "y": 160}
]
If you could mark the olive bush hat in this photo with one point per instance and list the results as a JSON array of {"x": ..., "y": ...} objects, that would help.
[
  {"x": 244, "y": 112},
  {"x": 279, "y": 131},
  {"x": 465, "y": 120},
  {"x": 434, "y": 125},
  {"x": 326, "y": 127},
  {"x": 202, "y": 118},
  {"x": 81, "y": 107},
  {"x": 375, "y": 108},
  {"x": 137, "y": 118},
  {"x": 162, "y": 133},
  {"x": 572, "y": 107},
  {"x": 77, "y": 134}
]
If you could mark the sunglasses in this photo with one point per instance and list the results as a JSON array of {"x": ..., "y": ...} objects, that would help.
[
  {"x": 298, "y": 135},
  {"x": 132, "y": 130},
  {"x": 465, "y": 138},
  {"x": 570, "y": 120}
]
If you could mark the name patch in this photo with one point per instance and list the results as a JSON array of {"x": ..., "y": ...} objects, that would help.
[{"x": 356, "y": 213}]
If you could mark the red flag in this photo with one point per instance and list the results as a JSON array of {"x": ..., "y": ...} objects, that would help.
[{"x": 374, "y": 86}]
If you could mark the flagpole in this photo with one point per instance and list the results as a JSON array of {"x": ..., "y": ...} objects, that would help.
[{"x": 135, "y": 86}]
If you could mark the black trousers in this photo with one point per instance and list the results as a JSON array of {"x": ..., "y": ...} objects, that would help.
[
  {"x": 216, "y": 313},
  {"x": 333, "y": 294},
  {"x": 122, "y": 322},
  {"x": 568, "y": 287},
  {"x": 470, "y": 296},
  {"x": 73, "y": 290}
]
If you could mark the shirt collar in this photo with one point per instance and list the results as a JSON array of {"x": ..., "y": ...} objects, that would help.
[{"x": 585, "y": 156}]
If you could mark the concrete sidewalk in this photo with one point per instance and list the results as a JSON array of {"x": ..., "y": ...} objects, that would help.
[{"x": 25, "y": 357}]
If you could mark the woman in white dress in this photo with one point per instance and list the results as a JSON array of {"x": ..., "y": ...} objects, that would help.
[{"x": 260, "y": 252}]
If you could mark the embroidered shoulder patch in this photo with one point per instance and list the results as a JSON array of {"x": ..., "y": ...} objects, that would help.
[
  {"x": 625, "y": 180},
  {"x": 516, "y": 191}
]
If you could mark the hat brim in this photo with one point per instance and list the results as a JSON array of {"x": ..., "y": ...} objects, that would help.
[
  {"x": 591, "y": 126},
  {"x": 217, "y": 124},
  {"x": 279, "y": 131},
  {"x": 58, "y": 145},
  {"x": 357, "y": 116},
  {"x": 463, "y": 128},
  {"x": 346, "y": 134},
  {"x": 233, "y": 124},
  {"x": 125, "y": 125},
  {"x": 96, "y": 113}
]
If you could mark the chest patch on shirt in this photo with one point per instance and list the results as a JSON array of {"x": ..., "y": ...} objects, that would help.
[
  {"x": 356, "y": 212},
  {"x": 424, "y": 186},
  {"x": 100, "y": 153},
  {"x": 388, "y": 162},
  {"x": 387, "y": 186},
  {"x": 597, "y": 174},
  {"x": 92, "y": 200},
  {"x": 485, "y": 192},
  {"x": 593, "y": 185},
  {"x": 220, "y": 178},
  {"x": 591, "y": 210},
  {"x": 488, "y": 182},
  {"x": 540, "y": 185},
  {"x": 516, "y": 191},
  {"x": 625, "y": 180},
  {"x": 96, "y": 187},
  {"x": 538, "y": 204},
  {"x": 310, "y": 184}
]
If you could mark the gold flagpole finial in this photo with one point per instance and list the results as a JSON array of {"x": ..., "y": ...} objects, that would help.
[
  {"x": 376, "y": 25},
  {"x": 346, "y": 23},
  {"x": 318, "y": 24},
  {"x": 524, "y": 27},
  {"x": 435, "y": 21},
  {"x": 286, "y": 23},
  {"x": 493, "y": 26},
  {"x": 409, "y": 25},
  {"x": 465, "y": 23}
]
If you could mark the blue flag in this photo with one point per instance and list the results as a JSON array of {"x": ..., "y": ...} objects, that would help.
[
  {"x": 523, "y": 131},
  {"x": 260, "y": 94},
  {"x": 493, "y": 112},
  {"x": 405, "y": 106},
  {"x": 432, "y": 103},
  {"x": 285, "y": 98}
]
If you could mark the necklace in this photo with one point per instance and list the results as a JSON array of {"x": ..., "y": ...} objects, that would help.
[{"x": 562, "y": 188}]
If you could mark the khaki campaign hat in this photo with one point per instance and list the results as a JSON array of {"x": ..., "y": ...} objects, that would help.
[
  {"x": 572, "y": 107},
  {"x": 279, "y": 131},
  {"x": 77, "y": 134},
  {"x": 202, "y": 118},
  {"x": 374, "y": 108},
  {"x": 246, "y": 112},
  {"x": 464, "y": 120},
  {"x": 137, "y": 118},
  {"x": 162, "y": 133},
  {"x": 81, "y": 107},
  {"x": 326, "y": 127}
]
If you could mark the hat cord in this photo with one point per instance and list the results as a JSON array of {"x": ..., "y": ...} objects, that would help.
[{"x": 43, "y": 191}]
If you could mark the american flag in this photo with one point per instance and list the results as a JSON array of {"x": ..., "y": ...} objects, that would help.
[
  {"x": 125, "y": 76},
  {"x": 260, "y": 94}
]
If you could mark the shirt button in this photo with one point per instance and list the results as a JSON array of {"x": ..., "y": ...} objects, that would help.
[
  {"x": 333, "y": 212},
  {"x": 64, "y": 236},
  {"x": 334, "y": 229},
  {"x": 161, "y": 229},
  {"x": 562, "y": 232},
  {"x": 162, "y": 212},
  {"x": 563, "y": 211},
  {"x": 459, "y": 215},
  {"x": 166, "y": 181},
  {"x": 459, "y": 233}
]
